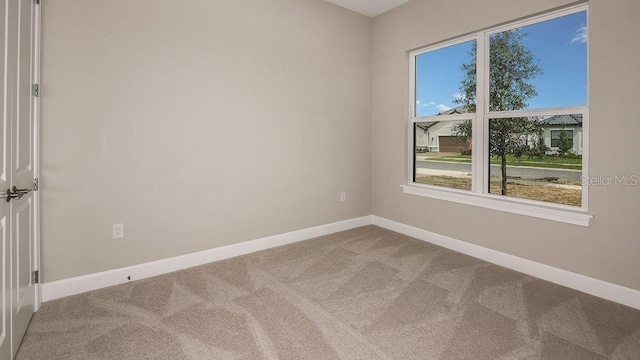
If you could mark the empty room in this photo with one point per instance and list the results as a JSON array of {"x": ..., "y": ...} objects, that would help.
[{"x": 319, "y": 179}]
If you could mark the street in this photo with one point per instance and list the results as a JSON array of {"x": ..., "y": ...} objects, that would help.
[{"x": 464, "y": 170}]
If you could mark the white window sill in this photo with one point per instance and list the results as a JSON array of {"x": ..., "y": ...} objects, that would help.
[{"x": 561, "y": 213}]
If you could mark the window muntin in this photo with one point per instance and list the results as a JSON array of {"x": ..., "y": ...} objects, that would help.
[{"x": 482, "y": 163}]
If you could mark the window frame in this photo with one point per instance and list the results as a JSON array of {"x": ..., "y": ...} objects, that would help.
[{"x": 479, "y": 195}]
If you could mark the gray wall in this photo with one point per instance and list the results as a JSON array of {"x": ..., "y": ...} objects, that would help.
[
  {"x": 202, "y": 123},
  {"x": 610, "y": 248},
  {"x": 197, "y": 124}
]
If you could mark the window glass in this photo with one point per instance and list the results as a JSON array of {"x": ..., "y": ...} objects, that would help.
[
  {"x": 443, "y": 154},
  {"x": 533, "y": 167},
  {"x": 441, "y": 76},
  {"x": 539, "y": 66}
]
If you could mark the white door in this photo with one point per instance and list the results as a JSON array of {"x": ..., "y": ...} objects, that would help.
[
  {"x": 22, "y": 264},
  {"x": 5, "y": 182},
  {"x": 17, "y": 228}
]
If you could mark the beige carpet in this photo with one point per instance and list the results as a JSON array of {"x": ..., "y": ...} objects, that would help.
[{"x": 366, "y": 293}]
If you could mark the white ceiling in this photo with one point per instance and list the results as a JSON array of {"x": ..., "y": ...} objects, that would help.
[{"x": 370, "y": 8}]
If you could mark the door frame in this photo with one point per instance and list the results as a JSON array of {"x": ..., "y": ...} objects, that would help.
[{"x": 37, "y": 26}]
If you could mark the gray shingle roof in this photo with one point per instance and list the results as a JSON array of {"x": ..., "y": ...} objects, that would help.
[
  {"x": 563, "y": 120},
  {"x": 557, "y": 120},
  {"x": 458, "y": 110}
]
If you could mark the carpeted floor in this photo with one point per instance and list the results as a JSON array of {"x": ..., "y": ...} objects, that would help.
[{"x": 366, "y": 293}]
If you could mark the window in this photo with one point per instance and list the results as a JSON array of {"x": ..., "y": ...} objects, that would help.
[
  {"x": 560, "y": 138},
  {"x": 502, "y": 115},
  {"x": 439, "y": 73}
]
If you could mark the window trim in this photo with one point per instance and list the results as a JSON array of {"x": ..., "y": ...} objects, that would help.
[
  {"x": 479, "y": 196},
  {"x": 556, "y": 212}
]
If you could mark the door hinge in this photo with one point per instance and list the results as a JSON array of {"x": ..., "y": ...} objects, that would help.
[
  {"x": 36, "y": 276},
  {"x": 36, "y": 183},
  {"x": 36, "y": 90}
]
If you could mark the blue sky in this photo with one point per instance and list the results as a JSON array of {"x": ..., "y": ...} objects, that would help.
[{"x": 559, "y": 45}]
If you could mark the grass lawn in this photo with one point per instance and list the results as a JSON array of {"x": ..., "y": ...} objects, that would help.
[
  {"x": 547, "y": 162},
  {"x": 514, "y": 189}
]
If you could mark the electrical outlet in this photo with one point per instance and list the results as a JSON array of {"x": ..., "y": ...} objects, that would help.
[
  {"x": 343, "y": 196},
  {"x": 118, "y": 231}
]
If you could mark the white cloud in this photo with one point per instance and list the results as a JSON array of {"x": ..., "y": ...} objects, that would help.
[
  {"x": 581, "y": 35},
  {"x": 459, "y": 96},
  {"x": 418, "y": 102},
  {"x": 431, "y": 103},
  {"x": 443, "y": 107}
]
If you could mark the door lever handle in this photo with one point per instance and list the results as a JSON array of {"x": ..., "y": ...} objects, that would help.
[
  {"x": 20, "y": 191},
  {"x": 15, "y": 193},
  {"x": 8, "y": 195}
]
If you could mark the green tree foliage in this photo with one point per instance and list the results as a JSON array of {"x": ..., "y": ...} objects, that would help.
[
  {"x": 565, "y": 143},
  {"x": 539, "y": 149},
  {"x": 511, "y": 68}
]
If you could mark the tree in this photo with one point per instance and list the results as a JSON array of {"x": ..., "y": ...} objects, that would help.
[
  {"x": 565, "y": 143},
  {"x": 511, "y": 67}
]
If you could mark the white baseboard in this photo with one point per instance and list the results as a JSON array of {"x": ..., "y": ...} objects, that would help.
[
  {"x": 599, "y": 288},
  {"x": 76, "y": 285},
  {"x": 67, "y": 287}
]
